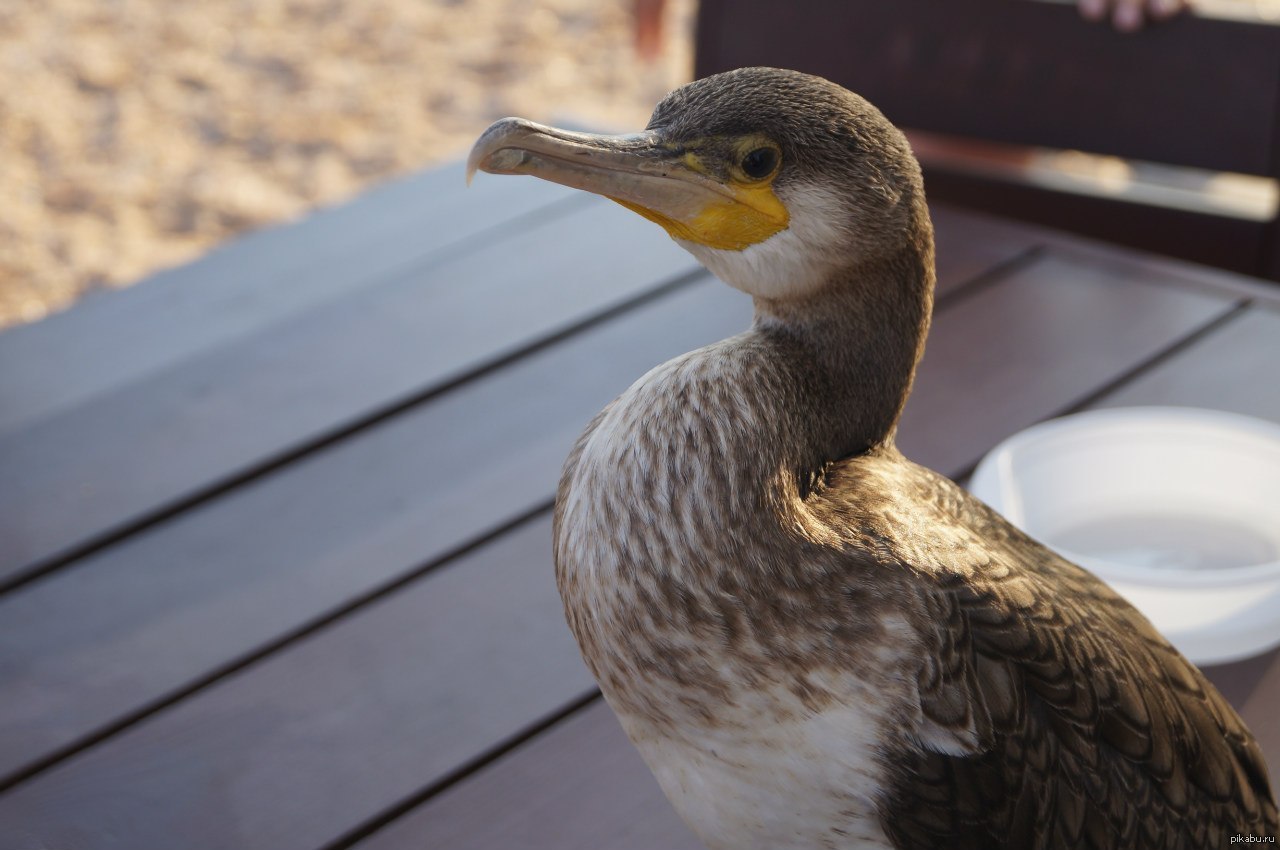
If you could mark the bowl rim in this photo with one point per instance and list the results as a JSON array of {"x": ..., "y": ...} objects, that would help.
[{"x": 995, "y": 467}]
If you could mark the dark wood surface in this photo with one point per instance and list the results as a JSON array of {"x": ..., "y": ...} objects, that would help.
[
  {"x": 125, "y": 454},
  {"x": 252, "y": 283},
  {"x": 1226, "y": 242},
  {"x": 1194, "y": 91},
  {"x": 319, "y": 611}
]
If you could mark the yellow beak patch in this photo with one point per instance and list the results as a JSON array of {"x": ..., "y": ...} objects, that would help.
[{"x": 751, "y": 216}]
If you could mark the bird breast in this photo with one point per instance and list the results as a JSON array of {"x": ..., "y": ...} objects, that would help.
[
  {"x": 668, "y": 528},
  {"x": 659, "y": 514}
]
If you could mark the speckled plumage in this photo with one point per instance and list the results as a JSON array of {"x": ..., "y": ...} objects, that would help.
[{"x": 814, "y": 642}]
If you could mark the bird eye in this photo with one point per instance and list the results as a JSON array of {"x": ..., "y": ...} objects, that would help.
[{"x": 759, "y": 163}]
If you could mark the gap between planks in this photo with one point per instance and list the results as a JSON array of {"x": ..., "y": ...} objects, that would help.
[
  {"x": 952, "y": 293},
  {"x": 253, "y": 472}
]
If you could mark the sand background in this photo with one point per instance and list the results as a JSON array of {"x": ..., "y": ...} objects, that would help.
[{"x": 137, "y": 134}]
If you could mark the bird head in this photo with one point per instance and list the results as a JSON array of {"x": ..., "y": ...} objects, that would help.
[{"x": 775, "y": 180}]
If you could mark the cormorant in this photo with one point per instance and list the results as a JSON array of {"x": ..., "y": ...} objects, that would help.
[{"x": 812, "y": 641}]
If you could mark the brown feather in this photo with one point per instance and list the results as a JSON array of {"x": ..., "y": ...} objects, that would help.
[{"x": 741, "y": 549}]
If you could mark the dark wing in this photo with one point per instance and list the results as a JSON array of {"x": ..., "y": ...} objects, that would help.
[{"x": 1077, "y": 725}]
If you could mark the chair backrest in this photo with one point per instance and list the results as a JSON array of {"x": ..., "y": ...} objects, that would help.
[{"x": 1195, "y": 91}]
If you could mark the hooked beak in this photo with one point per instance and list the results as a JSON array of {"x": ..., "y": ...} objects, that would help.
[{"x": 659, "y": 181}]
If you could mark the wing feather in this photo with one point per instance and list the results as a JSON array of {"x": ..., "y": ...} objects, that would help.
[{"x": 1073, "y": 723}]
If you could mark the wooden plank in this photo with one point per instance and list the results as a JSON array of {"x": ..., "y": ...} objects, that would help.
[
  {"x": 80, "y": 474},
  {"x": 1012, "y": 72},
  {"x": 576, "y": 784},
  {"x": 1036, "y": 342},
  {"x": 579, "y": 786},
  {"x": 1232, "y": 370},
  {"x": 143, "y": 619},
  {"x": 1218, "y": 282},
  {"x": 970, "y": 245},
  {"x": 246, "y": 752},
  {"x": 351, "y": 718},
  {"x": 208, "y": 587},
  {"x": 1197, "y": 236},
  {"x": 115, "y": 338}
]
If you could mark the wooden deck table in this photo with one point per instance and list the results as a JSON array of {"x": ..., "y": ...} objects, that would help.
[{"x": 275, "y": 526}]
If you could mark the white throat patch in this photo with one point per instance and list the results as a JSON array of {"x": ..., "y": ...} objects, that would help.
[{"x": 793, "y": 261}]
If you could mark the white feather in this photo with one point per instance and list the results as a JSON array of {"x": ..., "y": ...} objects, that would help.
[
  {"x": 752, "y": 782},
  {"x": 793, "y": 261}
]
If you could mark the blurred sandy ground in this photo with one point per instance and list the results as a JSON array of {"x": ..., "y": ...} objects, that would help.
[{"x": 136, "y": 134}]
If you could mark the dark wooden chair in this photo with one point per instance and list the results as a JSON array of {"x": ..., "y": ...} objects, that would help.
[{"x": 1196, "y": 92}]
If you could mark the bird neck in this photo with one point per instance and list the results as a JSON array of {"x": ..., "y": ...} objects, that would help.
[{"x": 854, "y": 345}]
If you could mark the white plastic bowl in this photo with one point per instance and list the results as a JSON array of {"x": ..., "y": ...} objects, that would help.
[{"x": 1177, "y": 509}]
